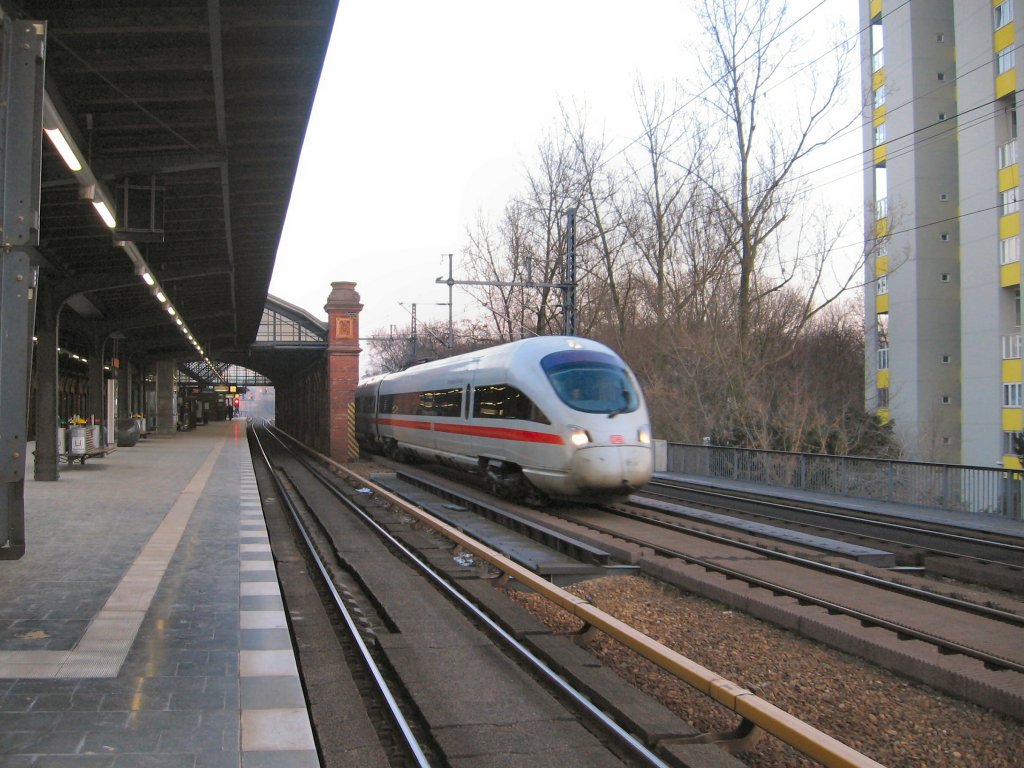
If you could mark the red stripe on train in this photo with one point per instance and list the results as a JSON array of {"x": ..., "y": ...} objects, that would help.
[
  {"x": 497, "y": 433},
  {"x": 500, "y": 433},
  {"x": 405, "y": 423}
]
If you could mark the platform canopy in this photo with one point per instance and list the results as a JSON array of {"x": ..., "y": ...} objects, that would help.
[{"x": 187, "y": 117}]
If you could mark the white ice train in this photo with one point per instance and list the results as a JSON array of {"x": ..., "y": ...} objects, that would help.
[{"x": 558, "y": 415}]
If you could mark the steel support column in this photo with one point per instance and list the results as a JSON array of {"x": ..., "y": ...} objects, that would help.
[
  {"x": 166, "y": 402},
  {"x": 22, "y": 47},
  {"x": 94, "y": 398},
  {"x": 45, "y": 465}
]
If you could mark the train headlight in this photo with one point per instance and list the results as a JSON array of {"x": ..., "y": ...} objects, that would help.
[
  {"x": 644, "y": 435},
  {"x": 578, "y": 436}
]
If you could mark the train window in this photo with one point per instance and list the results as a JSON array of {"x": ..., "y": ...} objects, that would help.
[
  {"x": 592, "y": 382},
  {"x": 440, "y": 402},
  {"x": 447, "y": 402},
  {"x": 501, "y": 401}
]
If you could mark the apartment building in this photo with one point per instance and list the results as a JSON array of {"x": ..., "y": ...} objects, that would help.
[{"x": 943, "y": 227}]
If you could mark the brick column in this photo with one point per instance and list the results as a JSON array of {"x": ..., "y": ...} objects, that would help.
[{"x": 343, "y": 309}]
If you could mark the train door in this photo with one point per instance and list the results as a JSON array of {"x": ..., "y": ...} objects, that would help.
[{"x": 454, "y": 437}]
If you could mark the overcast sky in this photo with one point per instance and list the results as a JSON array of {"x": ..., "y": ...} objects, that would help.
[{"x": 428, "y": 113}]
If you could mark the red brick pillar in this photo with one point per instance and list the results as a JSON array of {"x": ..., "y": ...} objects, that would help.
[{"x": 342, "y": 365}]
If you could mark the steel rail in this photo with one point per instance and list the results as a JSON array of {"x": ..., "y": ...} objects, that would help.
[
  {"x": 629, "y": 740},
  {"x": 395, "y": 711},
  {"x": 711, "y": 565},
  {"x": 944, "y": 600},
  {"x": 812, "y": 742},
  {"x": 843, "y": 516}
]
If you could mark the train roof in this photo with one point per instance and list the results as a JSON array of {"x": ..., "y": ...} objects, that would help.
[{"x": 502, "y": 355}]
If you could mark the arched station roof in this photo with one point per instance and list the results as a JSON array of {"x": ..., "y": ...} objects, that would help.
[{"x": 288, "y": 342}]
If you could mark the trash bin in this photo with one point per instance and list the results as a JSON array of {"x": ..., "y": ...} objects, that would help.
[
  {"x": 96, "y": 437},
  {"x": 127, "y": 433},
  {"x": 78, "y": 441}
]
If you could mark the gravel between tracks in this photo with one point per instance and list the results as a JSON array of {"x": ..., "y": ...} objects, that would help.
[{"x": 899, "y": 723}]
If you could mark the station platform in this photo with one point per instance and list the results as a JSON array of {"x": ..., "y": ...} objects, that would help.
[{"x": 144, "y": 625}]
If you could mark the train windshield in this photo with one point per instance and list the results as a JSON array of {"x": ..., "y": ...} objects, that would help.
[{"x": 593, "y": 382}]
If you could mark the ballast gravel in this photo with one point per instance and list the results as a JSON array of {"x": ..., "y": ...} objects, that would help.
[{"x": 897, "y": 722}]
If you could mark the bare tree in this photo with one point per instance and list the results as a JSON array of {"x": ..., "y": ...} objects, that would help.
[
  {"x": 609, "y": 280},
  {"x": 661, "y": 204},
  {"x": 750, "y": 53}
]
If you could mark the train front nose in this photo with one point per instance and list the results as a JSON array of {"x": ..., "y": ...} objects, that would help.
[{"x": 612, "y": 467}]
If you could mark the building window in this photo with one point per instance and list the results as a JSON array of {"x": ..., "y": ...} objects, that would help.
[
  {"x": 877, "y": 46},
  {"x": 1011, "y": 395},
  {"x": 940, "y": 76},
  {"x": 1010, "y": 443},
  {"x": 883, "y": 359},
  {"x": 940, "y": 38},
  {"x": 880, "y": 96},
  {"x": 883, "y": 397},
  {"x": 881, "y": 208},
  {"x": 1003, "y": 13},
  {"x": 882, "y": 285},
  {"x": 1007, "y": 154},
  {"x": 1008, "y": 201},
  {"x": 944, "y": 277},
  {"x": 1011, "y": 346},
  {"x": 946, "y": 359},
  {"x": 1004, "y": 60},
  {"x": 1009, "y": 250},
  {"x": 879, "y": 135},
  {"x": 944, "y": 237},
  {"x": 945, "y": 400}
]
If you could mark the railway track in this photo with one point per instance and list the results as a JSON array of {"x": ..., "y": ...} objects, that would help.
[
  {"x": 945, "y": 636},
  {"x": 400, "y": 630},
  {"x": 629, "y": 727},
  {"x": 985, "y": 558}
]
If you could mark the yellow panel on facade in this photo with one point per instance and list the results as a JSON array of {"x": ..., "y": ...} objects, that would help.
[
  {"x": 881, "y": 265},
  {"x": 1009, "y": 177},
  {"x": 880, "y": 155},
  {"x": 878, "y": 117},
  {"x": 1009, "y": 274},
  {"x": 1012, "y": 421},
  {"x": 878, "y": 79},
  {"x": 883, "y": 415},
  {"x": 1011, "y": 371},
  {"x": 875, "y": 8},
  {"x": 1011, "y": 462},
  {"x": 882, "y": 379},
  {"x": 1009, "y": 226},
  {"x": 882, "y": 228},
  {"x": 1004, "y": 36},
  {"x": 882, "y": 303},
  {"x": 1006, "y": 83}
]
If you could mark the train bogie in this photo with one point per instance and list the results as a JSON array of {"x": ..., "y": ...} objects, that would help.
[{"x": 559, "y": 416}]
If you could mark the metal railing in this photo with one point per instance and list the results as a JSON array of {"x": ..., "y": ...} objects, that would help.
[{"x": 954, "y": 487}]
